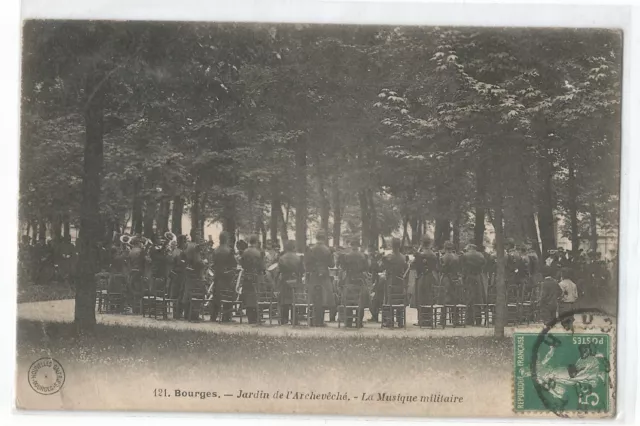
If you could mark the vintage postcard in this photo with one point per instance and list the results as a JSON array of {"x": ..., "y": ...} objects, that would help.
[{"x": 319, "y": 219}]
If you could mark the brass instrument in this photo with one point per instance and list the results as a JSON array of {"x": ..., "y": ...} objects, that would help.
[
  {"x": 210, "y": 276},
  {"x": 126, "y": 241}
]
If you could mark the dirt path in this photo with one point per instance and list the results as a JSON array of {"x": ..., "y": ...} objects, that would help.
[{"x": 62, "y": 311}]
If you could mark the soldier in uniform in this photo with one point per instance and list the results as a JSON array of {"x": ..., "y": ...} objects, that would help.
[
  {"x": 290, "y": 272},
  {"x": 355, "y": 266},
  {"x": 426, "y": 265},
  {"x": 159, "y": 262},
  {"x": 450, "y": 270},
  {"x": 224, "y": 267},
  {"x": 550, "y": 292},
  {"x": 177, "y": 276},
  {"x": 377, "y": 266},
  {"x": 137, "y": 261},
  {"x": 241, "y": 246},
  {"x": 320, "y": 288},
  {"x": 194, "y": 272},
  {"x": 253, "y": 267},
  {"x": 473, "y": 263},
  {"x": 395, "y": 266}
]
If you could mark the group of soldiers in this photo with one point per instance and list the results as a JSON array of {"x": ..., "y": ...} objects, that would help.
[
  {"x": 47, "y": 261},
  {"x": 174, "y": 265}
]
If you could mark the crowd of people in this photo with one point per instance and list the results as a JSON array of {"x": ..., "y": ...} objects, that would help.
[{"x": 175, "y": 266}]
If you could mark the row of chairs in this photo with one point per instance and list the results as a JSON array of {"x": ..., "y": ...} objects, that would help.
[{"x": 448, "y": 305}]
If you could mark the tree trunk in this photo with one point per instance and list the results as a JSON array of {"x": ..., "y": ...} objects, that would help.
[
  {"x": 163, "y": 216},
  {"x": 573, "y": 207},
  {"x": 456, "y": 234},
  {"x": 195, "y": 215},
  {"x": 593, "y": 225},
  {"x": 442, "y": 231},
  {"x": 56, "y": 227},
  {"x": 34, "y": 238},
  {"x": 149, "y": 216},
  {"x": 337, "y": 215},
  {"x": 90, "y": 226},
  {"x": 405, "y": 232},
  {"x": 276, "y": 211},
  {"x": 532, "y": 232},
  {"x": 364, "y": 217},
  {"x": 501, "y": 289},
  {"x": 203, "y": 216},
  {"x": 325, "y": 204},
  {"x": 176, "y": 215},
  {"x": 284, "y": 226},
  {"x": 373, "y": 222},
  {"x": 229, "y": 224},
  {"x": 262, "y": 230},
  {"x": 546, "y": 220},
  {"x": 481, "y": 194},
  {"x": 67, "y": 227},
  {"x": 137, "y": 220},
  {"x": 42, "y": 230},
  {"x": 301, "y": 194}
]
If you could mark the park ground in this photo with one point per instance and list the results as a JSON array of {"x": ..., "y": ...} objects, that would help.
[{"x": 126, "y": 358}]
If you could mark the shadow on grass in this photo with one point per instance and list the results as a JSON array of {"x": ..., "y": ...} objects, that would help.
[
  {"x": 130, "y": 345},
  {"x": 43, "y": 293}
]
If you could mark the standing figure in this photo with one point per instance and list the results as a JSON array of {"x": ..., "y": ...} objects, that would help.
[
  {"x": 549, "y": 294},
  {"x": 426, "y": 265},
  {"x": 224, "y": 268},
  {"x": 320, "y": 288},
  {"x": 290, "y": 272},
  {"x": 450, "y": 270},
  {"x": 569, "y": 295},
  {"x": 473, "y": 263},
  {"x": 355, "y": 266},
  {"x": 253, "y": 267},
  {"x": 177, "y": 276},
  {"x": 395, "y": 267}
]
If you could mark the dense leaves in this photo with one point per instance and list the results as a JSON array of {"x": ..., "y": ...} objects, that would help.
[{"x": 271, "y": 128}]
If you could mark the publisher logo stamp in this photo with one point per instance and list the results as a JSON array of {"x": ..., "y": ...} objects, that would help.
[{"x": 46, "y": 376}]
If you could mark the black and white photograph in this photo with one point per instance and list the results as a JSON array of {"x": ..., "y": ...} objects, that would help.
[{"x": 332, "y": 219}]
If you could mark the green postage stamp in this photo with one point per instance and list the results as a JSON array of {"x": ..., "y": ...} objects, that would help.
[{"x": 563, "y": 374}]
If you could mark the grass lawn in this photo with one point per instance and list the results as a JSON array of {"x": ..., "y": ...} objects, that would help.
[
  {"x": 118, "y": 367},
  {"x": 40, "y": 293}
]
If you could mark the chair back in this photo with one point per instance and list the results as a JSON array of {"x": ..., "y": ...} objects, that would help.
[
  {"x": 102, "y": 281},
  {"x": 351, "y": 295},
  {"x": 395, "y": 291},
  {"x": 228, "y": 296},
  {"x": 513, "y": 294},
  {"x": 117, "y": 283},
  {"x": 439, "y": 294},
  {"x": 197, "y": 289},
  {"x": 492, "y": 293}
]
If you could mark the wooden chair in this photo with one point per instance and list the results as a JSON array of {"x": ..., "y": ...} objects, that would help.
[
  {"x": 457, "y": 308},
  {"x": 102, "y": 284},
  {"x": 300, "y": 308},
  {"x": 150, "y": 297},
  {"x": 475, "y": 288},
  {"x": 197, "y": 297},
  {"x": 395, "y": 298},
  {"x": 267, "y": 303},
  {"x": 114, "y": 299},
  {"x": 490, "y": 312},
  {"x": 527, "y": 305},
  {"x": 137, "y": 284},
  {"x": 350, "y": 306},
  {"x": 514, "y": 304},
  {"x": 434, "y": 313}
]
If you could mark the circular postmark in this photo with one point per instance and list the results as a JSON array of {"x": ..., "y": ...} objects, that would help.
[
  {"x": 46, "y": 376},
  {"x": 570, "y": 371}
]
